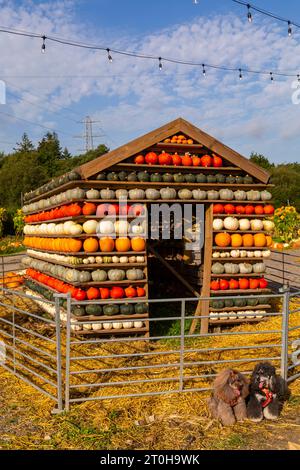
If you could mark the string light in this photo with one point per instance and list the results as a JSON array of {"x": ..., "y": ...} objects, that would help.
[
  {"x": 43, "y": 48},
  {"x": 271, "y": 76},
  {"x": 137, "y": 55},
  {"x": 110, "y": 59},
  {"x": 290, "y": 31},
  {"x": 240, "y": 75},
  {"x": 249, "y": 15}
]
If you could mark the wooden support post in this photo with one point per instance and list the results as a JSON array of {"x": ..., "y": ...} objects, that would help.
[{"x": 203, "y": 305}]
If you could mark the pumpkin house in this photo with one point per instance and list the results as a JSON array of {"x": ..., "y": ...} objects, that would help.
[{"x": 87, "y": 232}]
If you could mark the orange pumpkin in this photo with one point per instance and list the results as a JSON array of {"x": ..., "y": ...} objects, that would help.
[
  {"x": 107, "y": 244},
  {"x": 91, "y": 245},
  {"x": 223, "y": 239},
  {"x": 74, "y": 244},
  {"x": 236, "y": 240},
  {"x": 123, "y": 244},
  {"x": 269, "y": 240},
  {"x": 138, "y": 244},
  {"x": 248, "y": 240},
  {"x": 260, "y": 240}
]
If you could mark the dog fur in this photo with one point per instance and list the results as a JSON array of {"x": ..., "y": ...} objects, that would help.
[
  {"x": 227, "y": 402},
  {"x": 264, "y": 382}
]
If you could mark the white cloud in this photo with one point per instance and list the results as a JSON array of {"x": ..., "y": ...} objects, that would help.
[{"x": 132, "y": 96}]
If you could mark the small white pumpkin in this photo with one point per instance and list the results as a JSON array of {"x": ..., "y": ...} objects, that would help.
[
  {"x": 117, "y": 325},
  {"x": 218, "y": 224},
  {"x": 76, "y": 229},
  {"x": 67, "y": 226},
  {"x": 124, "y": 259},
  {"x": 90, "y": 226},
  {"x": 127, "y": 325},
  {"x": 250, "y": 254},
  {"x": 235, "y": 253},
  {"x": 91, "y": 259},
  {"x": 231, "y": 223},
  {"x": 87, "y": 326},
  {"x": 97, "y": 326},
  {"x": 115, "y": 259},
  {"x": 99, "y": 259},
  {"x": 257, "y": 254},
  {"x": 138, "y": 324},
  {"x": 106, "y": 227},
  {"x": 266, "y": 253},
  {"x": 243, "y": 254},
  {"x": 132, "y": 259},
  {"x": 268, "y": 225},
  {"x": 244, "y": 224},
  {"x": 107, "y": 326},
  {"x": 257, "y": 225},
  {"x": 92, "y": 194},
  {"x": 216, "y": 254},
  {"x": 122, "y": 227},
  {"x": 140, "y": 259}
]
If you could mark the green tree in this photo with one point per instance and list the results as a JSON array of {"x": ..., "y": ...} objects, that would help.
[
  {"x": 261, "y": 160},
  {"x": 25, "y": 145},
  {"x": 49, "y": 153}
]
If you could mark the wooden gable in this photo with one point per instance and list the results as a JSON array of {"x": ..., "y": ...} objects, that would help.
[{"x": 126, "y": 151}]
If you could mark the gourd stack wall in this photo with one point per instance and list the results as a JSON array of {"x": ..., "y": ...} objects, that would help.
[{"x": 70, "y": 224}]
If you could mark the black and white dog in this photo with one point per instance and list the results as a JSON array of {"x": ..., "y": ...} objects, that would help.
[{"x": 267, "y": 393}]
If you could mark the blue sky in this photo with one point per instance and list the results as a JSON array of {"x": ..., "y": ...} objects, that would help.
[{"x": 130, "y": 97}]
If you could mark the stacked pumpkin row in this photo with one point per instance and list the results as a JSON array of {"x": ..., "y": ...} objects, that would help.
[
  {"x": 238, "y": 268},
  {"x": 75, "y": 276},
  {"x": 53, "y": 184},
  {"x": 165, "y": 158},
  {"x": 237, "y": 316},
  {"x": 106, "y": 326},
  {"x": 162, "y": 177},
  {"x": 90, "y": 227},
  {"x": 93, "y": 293},
  {"x": 89, "y": 245},
  {"x": 240, "y": 284},
  {"x": 242, "y": 254},
  {"x": 87, "y": 209},
  {"x": 236, "y": 240},
  {"x": 249, "y": 209},
  {"x": 244, "y": 225},
  {"x": 150, "y": 194},
  {"x": 89, "y": 260}
]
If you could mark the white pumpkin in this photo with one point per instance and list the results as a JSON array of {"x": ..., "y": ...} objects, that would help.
[
  {"x": 257, "y": 254},
  {"x": 216, "y": 254},
  {"x": 124, "y": 259},
  {"x": 257, "y": 225},
  {"x": 91, "y": 259},
  {"x": 90, "y": 226},
  {"x": 76, "y": 229},
  {"x": 127, "y": 325},
  {"x": 106, "y": 227},
  {"x": 115, "y": 259},
  {"x": 268, "y": 225},
  {"x": 132, "y": 259},
  {"x": 223, "y": 255},
  {"x": 117, "y": 325},
  {"x": 250, "y": 254},
  {"x": 59, "y": 229},
  {"x": 137, "y": 229},
  {"x": 107, "y": 326},
  {"x": 140, "y": 259},
  {"x": 51, "y": 229},
  {"x": 138, "y": 324},
  {"x": 122, "y": 227},
  {"x": 243, "y": 254},
  {"x": 235, "y": 253},
  {"x": 218, "y": 224},
  {"x": 99, "y": 259},
  {"x": 67, "y": 226},
  {"x": 244, "y": 224},
  {"x": 87, "y": 326},
  {"x": 231, "y": 223},
  {"x": 266, "y": 253},
  {"x": 97, "y": 326}
]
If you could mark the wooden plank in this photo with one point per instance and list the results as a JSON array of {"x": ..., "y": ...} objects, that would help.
[
  {"x": 203, "y": 305},
  {"x": 174, "y": 272},
  {"x": 152, "y": 138}
]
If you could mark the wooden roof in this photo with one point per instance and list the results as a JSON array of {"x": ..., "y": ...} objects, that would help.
[{"x": 158, "y": 135}]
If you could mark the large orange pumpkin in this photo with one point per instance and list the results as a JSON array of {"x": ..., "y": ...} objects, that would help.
[
  {"x": 138, "y": 244},
  {"x": 236, "y": 240},
  {"x": 123, "y": 244},
  {"x": 260, "y": 240},
  {"x": 223, "y": 239},
  {"x": 74, "y": 244},
  {"x": 91, "y": 245},
  {"x": 107, "y": 244},
  {"x": 248, "y": 240},
  {"x": 269, "y": 240}
]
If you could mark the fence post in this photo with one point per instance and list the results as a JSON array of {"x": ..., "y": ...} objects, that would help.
[
  {"x": 68, "y": 340},
  {"x": 182, "y": 332},
  {"x": 285, "y": 332},
  {"x": 60, "y": 407}
]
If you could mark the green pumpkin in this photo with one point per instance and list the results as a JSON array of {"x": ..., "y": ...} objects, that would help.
[
  {"x": 78, "y": 311},
  {"x": 229, "y": 303},
  {"x": 132, "y": 176},
  {"x": 168, "y": 178},
  {"x": 252, "y": 302},
  {"x": 101, "y": 176},
  {"x": 230, "y": 179},
  {"x": 143, "y": 176},
  {"x": 140, "y": 308},
  {"x": 111, "y": 309},
  {"x": 201, "y": 178},
  {"x": 248, "y": 179},
  {"x": 263, "y": 301},
  {"x": 240, "y": 302},
  {"x": 217, "y": 304},
  {"x": 211, "y": 179},
  {"x": 93, "y": 309},
  {"x": 239, "y": 179},
  {"x": 220, "y": 178},
  {"x": 122, "y": 175},
  {"x": 126, "y": 309},
  {"x": 156, "y": 178},
  {"x": 74, "y": 176},
  {"x": 179, "y": 178},
  {"x": 112, "y": 176},
  {"x": 190, "y": 178}
]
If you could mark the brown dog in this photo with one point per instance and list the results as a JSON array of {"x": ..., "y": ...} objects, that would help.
[{"x": 227, "y": 402}]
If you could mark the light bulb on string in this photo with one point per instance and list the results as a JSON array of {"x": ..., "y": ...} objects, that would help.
[
  {"x": 249, "y": 15},
  {"x": 160, "y": 66},
  {"x": 290, "y": 31},
  {"x": 203, "y": 70},
  {"x": 240, "y": 75},
  {"x": 271, "y": 77},
  {"x": 110, "y": 59},
  {"x": 43, "y": 48}
]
